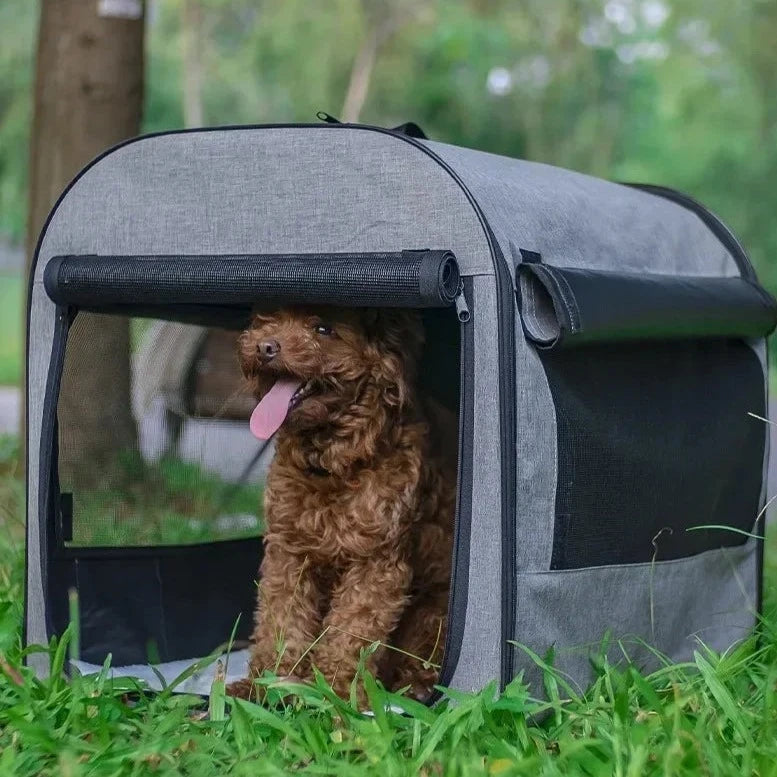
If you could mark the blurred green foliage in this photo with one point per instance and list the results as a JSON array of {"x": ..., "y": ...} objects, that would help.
[
  {"x": 679, "y": 92},
  {"x": 11, "y": 341}
]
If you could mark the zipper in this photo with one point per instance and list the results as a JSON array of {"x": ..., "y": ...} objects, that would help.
[
  {"x": 713, "y": 223},
  {"x": 457, "y": 595},
  {"x": 462, "y": 308},
  {"x": 506, "y": 303}
]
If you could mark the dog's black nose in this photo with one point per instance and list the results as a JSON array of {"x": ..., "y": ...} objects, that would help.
[{"x": 268, "y": 349}]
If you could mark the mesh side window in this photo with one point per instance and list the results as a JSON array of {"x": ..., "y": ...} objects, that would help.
[
  {"x": 154, "y": 444},
  {"x": 655, "y": 443}
]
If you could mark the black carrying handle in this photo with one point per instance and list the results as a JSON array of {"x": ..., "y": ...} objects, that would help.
[
  {"x": 411, "y": 129},
  {"x": 411, "y": 278},
  {"x": 567, "y": 307}
]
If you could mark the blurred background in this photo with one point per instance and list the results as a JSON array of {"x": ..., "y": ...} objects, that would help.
[{"x": 676, "y": 92}]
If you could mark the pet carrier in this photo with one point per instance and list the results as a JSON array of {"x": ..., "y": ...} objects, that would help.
[{"x": 604, "y": 346}]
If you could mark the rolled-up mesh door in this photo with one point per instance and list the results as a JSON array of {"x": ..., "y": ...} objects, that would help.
[
  {"x": 566, "y": 307},
  {"x": 408, "y": 279}
]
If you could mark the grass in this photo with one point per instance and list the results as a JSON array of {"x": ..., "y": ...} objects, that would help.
[
  {"x": 11, "y": 340},
  {"x": 716, "y": 715}
]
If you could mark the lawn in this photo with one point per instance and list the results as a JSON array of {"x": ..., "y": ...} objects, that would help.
[{"x": 714, "y": 716}]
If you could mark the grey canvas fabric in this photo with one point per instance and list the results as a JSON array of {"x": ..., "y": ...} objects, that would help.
[
  {"x": 575, "y": 220},
  {"x": 41, "y": 334},
  {"x": 481, "y": 644},
  {"x": 266, "y": 190},
  {"x": 672, "y": 605},
  {"x": 324, "y": 189}
]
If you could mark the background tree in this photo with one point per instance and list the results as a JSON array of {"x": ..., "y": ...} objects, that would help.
[
  {"x": 88, "y": 96},
  {"x": 193, "y": 42}
]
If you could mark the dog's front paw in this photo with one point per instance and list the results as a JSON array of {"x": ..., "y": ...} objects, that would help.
[
  {"x": 417, "y": 683},
  {"x": 290, "y": 679},
  {"x": 242, "y": 689}
]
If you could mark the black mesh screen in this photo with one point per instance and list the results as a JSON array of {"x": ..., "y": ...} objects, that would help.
[
  {"x": 154, "y": 444},
  {"x": 654, "y": 440}
]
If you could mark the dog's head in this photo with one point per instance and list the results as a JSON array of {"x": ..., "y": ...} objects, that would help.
[{"x": 307, "y": 366}]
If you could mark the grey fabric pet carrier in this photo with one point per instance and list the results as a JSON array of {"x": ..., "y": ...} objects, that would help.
[{"x": 603, "y": 345}]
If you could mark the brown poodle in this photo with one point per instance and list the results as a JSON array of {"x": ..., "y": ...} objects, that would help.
[{"x": 359, "y": 501}]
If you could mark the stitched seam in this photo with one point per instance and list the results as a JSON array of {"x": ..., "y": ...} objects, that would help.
[
  {"x": 554, "y": 279},
  {"x": 533, "y": 320},
  {"x": 571, "y": 305}
]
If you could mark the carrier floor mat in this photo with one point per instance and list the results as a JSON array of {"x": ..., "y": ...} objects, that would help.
[{"x": 236, "y": 664}]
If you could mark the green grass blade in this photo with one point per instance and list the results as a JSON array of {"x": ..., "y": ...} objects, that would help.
[{"x": 217, "y": 700}]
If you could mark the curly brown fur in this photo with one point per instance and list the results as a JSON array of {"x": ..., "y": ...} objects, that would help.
[{"x": 359, "y": 502}]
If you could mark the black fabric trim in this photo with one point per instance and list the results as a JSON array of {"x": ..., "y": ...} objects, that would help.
[
  {"x": 566, "y": 306},
  {"x": 48, "y": 472},
  {"x": 412, "y": 130},
  {"x": 409, "y": 128},
  {"x": 530, "y": 257},
  {"x": 164, "y": 604},
  {"x": 457, "y": 607},
  {"x": 412, "y": 279},
  {"x": 711, "y": 221},
  {"x": 760, "y": 527}
]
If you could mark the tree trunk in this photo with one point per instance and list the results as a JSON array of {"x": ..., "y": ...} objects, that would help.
[
  {"x": 359, "y": 82},
  {"x": 191, "y": 24},
  {"x": 88, "y": 96},
  {"x": 383, "y": 19}
]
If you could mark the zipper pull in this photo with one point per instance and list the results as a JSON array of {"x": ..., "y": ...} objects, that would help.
[
  {"x": 323, "y": 116},
  {"x": 462, "y": 309}
]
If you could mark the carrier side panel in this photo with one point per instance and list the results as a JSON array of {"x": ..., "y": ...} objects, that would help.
[
  {"x": 670, "y": 605},
  {"x": 233, "y": 191},
  {"x": 656, "y": 452},
  {"x": 41, "y": 335},
  {"x": 481, "y": 646}
]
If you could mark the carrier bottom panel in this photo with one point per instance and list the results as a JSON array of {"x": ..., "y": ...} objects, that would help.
[
  {"x": 199, "y": 682},
  {"x": 157, "y": 604}
]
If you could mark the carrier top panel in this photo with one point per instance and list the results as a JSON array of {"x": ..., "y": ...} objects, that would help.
[{"x": 322, "y": 188}]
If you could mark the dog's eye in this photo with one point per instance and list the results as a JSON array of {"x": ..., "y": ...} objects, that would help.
[{"x": 323, "y": 329}]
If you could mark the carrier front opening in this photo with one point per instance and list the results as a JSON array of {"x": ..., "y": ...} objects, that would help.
[{"x": 153, "y": 481}]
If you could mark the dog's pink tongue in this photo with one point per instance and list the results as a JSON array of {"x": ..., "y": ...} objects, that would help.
[{"x": 270, "y": 413}]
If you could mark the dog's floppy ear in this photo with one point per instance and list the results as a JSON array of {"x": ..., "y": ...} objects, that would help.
[
  {"x": 397, "y": 337},
  {"x": 396, "y": 329}
]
